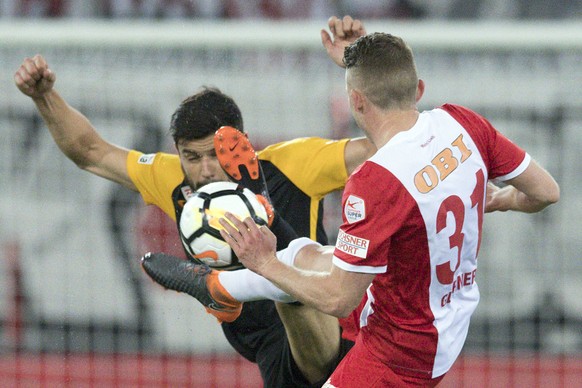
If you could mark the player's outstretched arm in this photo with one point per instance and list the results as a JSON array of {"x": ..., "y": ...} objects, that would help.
[
  {"x": 71, "y": 130},
  {"x": 357, "y": 151},
  {"x": 255, "y": 248},
  {"x": 344, "y": 31},
  {"x": 530, "y": 192}
]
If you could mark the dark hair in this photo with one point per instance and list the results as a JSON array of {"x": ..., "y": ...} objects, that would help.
[
  {"x": 383, "y": 67},
  {"x": 203, "y": 113}
]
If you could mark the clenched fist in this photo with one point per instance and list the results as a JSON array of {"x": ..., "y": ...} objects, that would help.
[
  {"x": 34, "y": 78},
  {"x": 344, "y": 31}
]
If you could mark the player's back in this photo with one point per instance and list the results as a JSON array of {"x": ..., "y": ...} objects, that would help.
[
  {"x": 413, "y": 216},
  {"x": 432, "y": 258}
]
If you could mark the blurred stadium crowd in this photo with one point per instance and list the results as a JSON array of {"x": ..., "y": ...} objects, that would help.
[{"x": 292, "y": 9}]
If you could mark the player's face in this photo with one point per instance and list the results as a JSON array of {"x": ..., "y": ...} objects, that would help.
[{"x": 199, "y": 162}]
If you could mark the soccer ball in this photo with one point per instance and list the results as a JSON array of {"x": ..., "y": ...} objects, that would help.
[{"x": 199, "y": 226}]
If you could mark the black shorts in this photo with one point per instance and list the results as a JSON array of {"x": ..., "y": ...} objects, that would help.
[{"x": 259, "y": 336}]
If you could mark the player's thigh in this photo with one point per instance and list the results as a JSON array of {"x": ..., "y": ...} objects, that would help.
[
  {"x": 314, "y": 337},
  {"x": 276, "y": 364}
]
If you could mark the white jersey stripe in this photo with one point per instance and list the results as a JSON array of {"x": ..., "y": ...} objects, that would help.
[
  {"x": 357, "y": 268},
  {"x": 517, "y": 171}
]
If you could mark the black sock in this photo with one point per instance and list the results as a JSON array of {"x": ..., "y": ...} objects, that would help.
[{"x": 284, "y": 232}]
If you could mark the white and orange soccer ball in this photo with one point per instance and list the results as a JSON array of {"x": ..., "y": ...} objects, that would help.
[{"x": 199, "y": 226}]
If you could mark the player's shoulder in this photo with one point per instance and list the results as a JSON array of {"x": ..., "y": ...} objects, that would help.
[
  {"x": 314, "y": 165},
  {"x": 160, "y": 166},
  {"x": 455, "y": 108},
  {"x": 152, "y": 159},
  {"x": 462, "y": 114},
  {"x": 372, "y": 174},
  {"x": 298, "y": 148}
]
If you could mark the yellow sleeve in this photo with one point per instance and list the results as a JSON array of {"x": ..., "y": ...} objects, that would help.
[
  {"x": 315, "y": 165},
  {"x": 156, "y": 176}
]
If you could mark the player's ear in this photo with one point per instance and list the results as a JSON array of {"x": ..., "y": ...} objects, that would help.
[
  {"x": 419, "y": 90},
  {"x": 358, "y": 100}
]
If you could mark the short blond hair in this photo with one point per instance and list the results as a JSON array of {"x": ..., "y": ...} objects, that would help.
[{"x": 382, "y": 67}]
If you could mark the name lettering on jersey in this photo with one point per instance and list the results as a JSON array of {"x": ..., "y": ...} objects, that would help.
[
  {"x": 354, "y": 209},
  {"x": 462, "y": 280},
  {"x": 352, "y": 245},
  {"x": 442, "y": 166},
  {"x": 146, "y": 159},
  {"x": 187, "y": 192}
]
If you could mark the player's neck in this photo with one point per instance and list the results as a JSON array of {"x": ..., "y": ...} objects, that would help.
[{"x": 388, "y": 124}]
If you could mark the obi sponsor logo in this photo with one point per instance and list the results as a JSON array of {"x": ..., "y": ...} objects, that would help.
[
  {"x": 146, "y": 159},
  {"x": 354, "y": 209},
  {"x": 352, "y": 245},
  {"x": 441, "y": 165}
]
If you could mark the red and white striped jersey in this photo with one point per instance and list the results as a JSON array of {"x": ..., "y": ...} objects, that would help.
[{"x": 412, "y": 215}]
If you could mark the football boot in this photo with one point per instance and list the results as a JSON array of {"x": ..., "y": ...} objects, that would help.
[
  {"x": 240, "y": 162},
  {"x": 197, "y": 280}
]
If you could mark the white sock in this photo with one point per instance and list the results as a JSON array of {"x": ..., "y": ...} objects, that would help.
[{"x": 246, "y": 286}]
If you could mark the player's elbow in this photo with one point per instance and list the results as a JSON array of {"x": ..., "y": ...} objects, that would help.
[
  {"x": 342, "y": 305},
  {"x": 548, "y": 197},
  {"x": 553, "y": 195},
  {"x": 89, "y": 151}
]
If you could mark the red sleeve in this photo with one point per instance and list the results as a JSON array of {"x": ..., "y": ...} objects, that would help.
[
  {"x": 501, "y": 156},
  {"x": 370, "y": 219}
]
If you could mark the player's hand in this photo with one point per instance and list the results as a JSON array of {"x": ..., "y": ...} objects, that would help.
[
  {"x": 254, "y": 245},
  {"x": 343, "y": 32},
  {"x": 34, "y": 78},
  {"x": 497, "y": 198}
]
